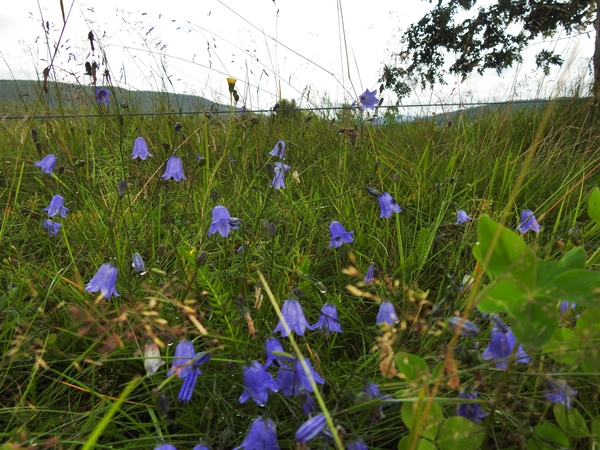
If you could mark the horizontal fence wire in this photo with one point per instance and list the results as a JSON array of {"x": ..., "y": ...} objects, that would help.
[{"x": 315, "y": 109}]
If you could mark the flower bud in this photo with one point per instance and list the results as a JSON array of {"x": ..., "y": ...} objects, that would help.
[
  {"x": 201, "y": 259},
  {"x": 138, "y": 264},
  {"x": 162, "y": 404},
  {"x": 121, "y": 188},
  {"x": 268, "y": 229},
  {"x": 575, "y": 235}
]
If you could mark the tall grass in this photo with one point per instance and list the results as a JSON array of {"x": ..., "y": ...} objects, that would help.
[
  {"x": 67, "y": 355},
  {"x": 72, "y": 364}
]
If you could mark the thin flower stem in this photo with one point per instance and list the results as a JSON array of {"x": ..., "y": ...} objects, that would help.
[{"x": 294, "y": 344}]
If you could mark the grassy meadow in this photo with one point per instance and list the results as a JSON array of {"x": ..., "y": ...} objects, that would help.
[{"x": 75, "y": 367}]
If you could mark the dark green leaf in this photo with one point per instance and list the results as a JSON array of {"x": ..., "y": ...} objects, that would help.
[
  {"x": 594, "y": 205},
  {"x": 413, "y": 368},
  {"x": 501, "y": 296},
  {"x": 563, "y": 346},
  {"x": 578, "y": 286},
  {"x": 458, "y": 433},
  {"x": 422, "y": 444},
  {"x": 412, "y": 415},
  {"x": 547, "y": 436},
  {"x": 510, "y": 256},
  {"x": 570, "y": 421},
  {"x": 596, "y": 428},
  {"x": 548, "y": 270},
  {"x": 536, "y": 322}
]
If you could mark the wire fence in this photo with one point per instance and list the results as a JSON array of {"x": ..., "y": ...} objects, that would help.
[{"x": 276, "y": 109}]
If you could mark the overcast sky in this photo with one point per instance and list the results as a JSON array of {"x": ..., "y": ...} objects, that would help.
[{"x": 295, "y": 49}]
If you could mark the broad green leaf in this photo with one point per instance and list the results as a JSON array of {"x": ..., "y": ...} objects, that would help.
[
  {"x": 413, "y": 368},
  {"x": 579, "y": 286},
  {"x": 588, "y": 323},
  {"x": 435, "y": 372},
  {"x": 501, "y": 296},
  {"x": 563, "y": 346},
  {"x": 588, "y": 333},
  {"x": 596, "y": 428},
  {"x": 51, "y": 339},
  {"x": 590, "y": 364},
  {"x": 570, "y": 421},
  {"x": 458, "y": 433},
  {"x": 412, "y": 415},
  {"x": 510, "y": 256},
  {"x": 547, "y": 436},
  {"x": 536, "y": 322},
  {"x": 422, "y": 444},
  {"x": 548, "y": 270},
  {"x": 594, "y": 205}
]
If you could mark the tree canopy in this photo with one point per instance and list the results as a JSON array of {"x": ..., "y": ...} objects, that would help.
[{"x": 493, "y": 37}]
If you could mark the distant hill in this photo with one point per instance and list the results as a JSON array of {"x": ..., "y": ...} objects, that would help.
[
  {"x": 475, "y": 112},
  {"x": 20, "y": 96}
]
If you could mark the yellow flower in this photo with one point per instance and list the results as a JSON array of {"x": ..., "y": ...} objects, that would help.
[{"x": 231, "y": 83}]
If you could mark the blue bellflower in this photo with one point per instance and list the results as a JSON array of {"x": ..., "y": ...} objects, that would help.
[
  {"x": 308, "y": 403},
  {"x": 560, "y": 392},
  {"x": 311, "y": 428},
  {"x": 257, "y": 383},
  {"x": 471, "y": 411},
  {"x": 462, "y": 217},
  {"x": 279, "y": 177},
  {"x": 165, "y": 447},
  {"x": 369, "y": 275},
  {"x": 182, "y": 359},
  {"x": 292, "y": 313},
  {"x": 388, "y": 205},
  {"x": 52, "y": 227},
  {"x": 46, "y": 164},
  {"x": 140, "y": 149},
  {"x": 174, "y": 169},
  {"x": 302, "y": 378},
  {"x": 279, "y": 150},
  {"x": 273, "y": 345},
  {"x": 463, "y": 326},
  {"x": 502, "y": 342},
  {"x": 368, "y": 100},
  {"x": 261, "y": 436},
  {"x": 565, "y": 306},
  {"x": 186, "y": 365},
  {"x": 528, "y": 222},
  {"x": 339, "y": 235},
  {"x": 357, "y": 444},
  {"x": 102, "y": 96},
  {"x": 387, "y": 314},
  {"x": 292, "y": 379},
  {"x": 222, "y": 222},
  {"x": 372, "y": 392},
  {"x": 105, "y": 281},
  {"x": 286, "y": 380},
  {"x": 190, "y": 377},
  {"x": 328, "y": 319},
  {"x": 56, "y": 206},
  {"x": 201, "y": 447}
]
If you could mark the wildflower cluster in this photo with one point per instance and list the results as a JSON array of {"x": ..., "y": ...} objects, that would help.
[
  {"x": 280, "y": 167},
  {"x": 55, "y": 208},
  {"x": 286, "y": 375}
]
